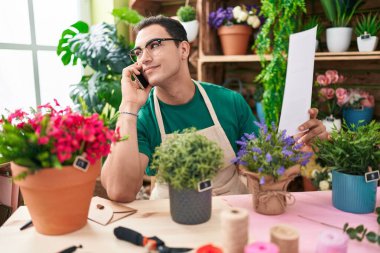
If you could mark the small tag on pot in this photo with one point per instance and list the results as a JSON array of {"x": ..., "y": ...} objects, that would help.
[
  {"x": 372, "y": 176},
  {"x": 204, "y": 185},
  {"x": 365, "y": 36},
  {"x": 81, "y": 163}
]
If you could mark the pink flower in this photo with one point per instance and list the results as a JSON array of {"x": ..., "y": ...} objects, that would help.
[
  {"x": 323, "y": 80},
  {"x": 341, "y": 79},
  {"x": 368, "y": 102},
  {"x": 342, "y": 96},
  {"x": 18, "y": 114},
  {"x": 363, "y": 94},
  {"x": 332, "y": 75},
  {"x": 327, "y": 93},
  {"x": 43, "y": 140}
]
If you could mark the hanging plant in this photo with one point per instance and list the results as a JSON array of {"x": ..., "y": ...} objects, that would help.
[{"x": 280, "y": 21}]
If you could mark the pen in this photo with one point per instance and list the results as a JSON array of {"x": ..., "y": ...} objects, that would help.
[
  {"x": 29, "y": 223},
  {"x": 71, "y": 249}
]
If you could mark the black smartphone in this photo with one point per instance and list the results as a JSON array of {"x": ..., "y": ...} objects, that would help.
[{"x": 143, "y": 83}]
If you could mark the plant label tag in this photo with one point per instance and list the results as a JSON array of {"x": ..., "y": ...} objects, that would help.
[
  {"x": 81, "y": 163},
  {"x": 365, "y": 36},
  {"x": 372, "y": 176},
  {"x": 204, "y": 185}
]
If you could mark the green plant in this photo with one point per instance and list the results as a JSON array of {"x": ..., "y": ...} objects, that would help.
[
  {"x": 311, "y": 23},
  {"x": 339, "y": 12},
  {"x": 186, "y": 158},
  {"x": 186, "y": 13},
  {"x": 126, "y": 15},
  {"x": 280, "y": 21},
  {"x": 259, "y": 92},
  {"x": 369, "y": 24},
  {"x": 351, "y": 152},
  {"x": 360, "y": 231}
]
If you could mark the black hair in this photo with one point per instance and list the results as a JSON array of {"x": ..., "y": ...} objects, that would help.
[{"x": 172, "y": 26}]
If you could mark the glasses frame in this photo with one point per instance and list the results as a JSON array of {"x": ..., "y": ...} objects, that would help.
[{"x": 159, "y": 40}]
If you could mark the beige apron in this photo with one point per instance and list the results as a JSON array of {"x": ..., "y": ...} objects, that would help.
[{"x": 227, "y": 179}]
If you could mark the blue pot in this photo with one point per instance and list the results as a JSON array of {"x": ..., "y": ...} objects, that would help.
[
  {"x": 260, "y": 111},
  {"x": 351, "y": 193},
  {"x": 353, "y": 116}
]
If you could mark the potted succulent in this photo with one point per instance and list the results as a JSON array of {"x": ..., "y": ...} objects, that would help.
[
  {"x": 234, "y": 25},
  {"x": 55, "y": 158},
  {"x": 350, "y": 155},
  {"x": 311, "y": 23},
  {"x": 327, "y": 86},
  {"x": 358, "y": 106},
  {"x": 339, "y": 13},
  {"x": 367, "y": 28},
  {"x": 187, "y": 16},
  {"x": 187, "y": 162},
  {"x": 270, "y": 161}
]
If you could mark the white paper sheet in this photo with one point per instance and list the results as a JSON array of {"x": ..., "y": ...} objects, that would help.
[{"x": 299, "y": 81}]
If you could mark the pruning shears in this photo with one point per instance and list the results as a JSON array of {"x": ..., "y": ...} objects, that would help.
[{"x": 153, "y": 244}]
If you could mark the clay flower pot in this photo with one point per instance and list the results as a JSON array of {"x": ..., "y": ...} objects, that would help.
[
  {"x": 58, "y": 200},
  {"x": 234, "y": 39},
  {"x": 272, "y": 197}
]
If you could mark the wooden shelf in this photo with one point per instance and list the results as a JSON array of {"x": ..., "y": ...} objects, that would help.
[{"x": 319, "y": 56}]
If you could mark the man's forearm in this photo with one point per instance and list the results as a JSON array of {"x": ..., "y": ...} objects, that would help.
[{"x": 122, "y": 173}]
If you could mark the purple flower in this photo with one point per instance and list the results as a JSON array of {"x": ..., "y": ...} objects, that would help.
[
  {"x": 244, "y": 163},
  {"x": 255, "y": 157},
  {"x": 262, "y": 180},
  {"x": 269, "y": 136},
  {"x": 268, "y": 157},
  {"x": 257, "y": 150},
  {"x": 260, "y": 170},
  {"x": 281, "y": 170},
  {"x": 235, "y": 160},
  {"x": 287, "y": 153},
  {"x": 241, "y": 152},
  {"x": 298, "y": 146},
  {"x": 250, "y": 136},
  {"x": 241, "y": 143}
]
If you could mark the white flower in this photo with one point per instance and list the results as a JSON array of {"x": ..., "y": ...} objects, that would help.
[
  {"x": 314, "y": 173},
  {"x": 330, "y": 177},
  {"x": 236, "y": 12},
  {"x": 254, "y": 21},
  {"x": 242, "y": 16},
  {"x": 324, "y": 185}
]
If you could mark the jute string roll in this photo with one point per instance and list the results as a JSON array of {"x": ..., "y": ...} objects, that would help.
[
  {"x": 234, "y": 224},
  {"x": 285, "y": 237}
]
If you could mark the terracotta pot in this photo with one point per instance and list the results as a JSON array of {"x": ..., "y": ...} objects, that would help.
[
  {"x": 58, "y": 200},
  {"x": 234, "y": 39},
  {"x": 308, "y": 184},
  {"x": 270, "y": 198}
]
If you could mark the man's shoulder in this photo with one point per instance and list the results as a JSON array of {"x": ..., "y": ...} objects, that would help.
[{"x": 219, "y": 90}]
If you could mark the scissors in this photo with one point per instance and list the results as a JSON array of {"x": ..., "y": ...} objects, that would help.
[{"x": 153, "y": 244}]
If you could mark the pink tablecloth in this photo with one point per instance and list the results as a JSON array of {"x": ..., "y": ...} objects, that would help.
[{"x": 313, "y": 205}]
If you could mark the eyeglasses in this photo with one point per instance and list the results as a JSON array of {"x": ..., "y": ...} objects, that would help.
[{"x": 152, "y": 46}]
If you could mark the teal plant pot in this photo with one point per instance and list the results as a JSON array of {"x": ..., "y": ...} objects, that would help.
[
  {"x": 357, "y": 117},
  {"x": 351, "y": 193},
  {"x": 260, "y": 111}
]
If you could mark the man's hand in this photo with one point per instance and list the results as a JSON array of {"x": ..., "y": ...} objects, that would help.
[
  {"x": 312, "y": 128},
  {"x": 133, "y": 98}
]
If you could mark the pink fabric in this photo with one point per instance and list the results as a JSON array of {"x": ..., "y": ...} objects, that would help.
[{"x": 314, "y": 205}]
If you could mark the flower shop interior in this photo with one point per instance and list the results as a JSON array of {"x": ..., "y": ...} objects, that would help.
[{"x": 64, "y": 61}]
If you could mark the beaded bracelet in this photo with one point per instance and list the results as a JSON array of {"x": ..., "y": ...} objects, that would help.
[{"x": 130, "y": 113}]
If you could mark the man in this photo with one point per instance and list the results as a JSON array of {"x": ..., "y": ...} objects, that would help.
[{"x": 177, "y": 102}]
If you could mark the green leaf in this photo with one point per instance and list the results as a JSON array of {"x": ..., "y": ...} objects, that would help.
[{"x": 372, "y": 237}]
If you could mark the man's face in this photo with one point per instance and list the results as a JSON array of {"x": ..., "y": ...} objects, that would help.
[{"x": 160, "y": 61}]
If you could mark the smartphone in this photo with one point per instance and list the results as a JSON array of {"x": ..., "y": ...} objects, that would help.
[{"x": 143, "y": 83}]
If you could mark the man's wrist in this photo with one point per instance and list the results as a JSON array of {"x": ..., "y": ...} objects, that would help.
[{"x": 129, "y": 107}]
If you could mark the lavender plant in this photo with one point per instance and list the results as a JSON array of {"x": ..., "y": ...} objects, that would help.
[{"x": 271, "y": 153}]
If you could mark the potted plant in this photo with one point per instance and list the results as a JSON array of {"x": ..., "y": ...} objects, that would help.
[
  {"x": 55, "y": 159},
  {"x": 327, "y": 86},
  {"x": 367, "y": 28},
  {"x": 187, "y": 162},
  {"x": 358, "y": 106},
  {"x": 234, "y": 25},
  {"x": 339, "y": 13},
  {"x": 311, "y": 23},
  {"x": 258, "y": 97},
  {"x": 187, "y": 16},
  {"x": 270, "y": 161},
  {"x": 350, "y": 155}
]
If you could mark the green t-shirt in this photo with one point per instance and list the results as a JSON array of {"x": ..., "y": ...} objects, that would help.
[{"x": 233, "y": 112}]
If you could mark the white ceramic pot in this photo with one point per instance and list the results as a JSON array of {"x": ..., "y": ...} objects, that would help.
[
  {"x": 367, "y": 45},
  {"x": 332, "y": 124},
  {"x": 338, "y": 38},
  {"x": 191, "y": 28}
]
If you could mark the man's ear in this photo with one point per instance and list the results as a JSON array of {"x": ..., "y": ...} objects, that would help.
[{"x": 185, "y": 50}]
